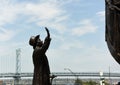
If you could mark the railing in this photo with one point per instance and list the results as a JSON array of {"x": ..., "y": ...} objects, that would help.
[{"x": 62, "y": 74}]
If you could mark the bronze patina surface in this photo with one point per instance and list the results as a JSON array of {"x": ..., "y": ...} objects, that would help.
[
  {"x": 112, "y": 12},
  {"x": 41, "y": 65}
]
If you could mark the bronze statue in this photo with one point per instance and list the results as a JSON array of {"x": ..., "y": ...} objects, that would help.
[
  {"x": 112, "y": 12},
  {"x": 41, "y": 65}
]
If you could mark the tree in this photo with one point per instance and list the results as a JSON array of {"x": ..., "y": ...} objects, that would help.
[
  {"x": 78, "y": 82},
  {"x": 90, "y": 83}
]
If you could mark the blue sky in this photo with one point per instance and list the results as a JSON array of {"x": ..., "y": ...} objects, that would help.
[{"x": 77, "y": 30}]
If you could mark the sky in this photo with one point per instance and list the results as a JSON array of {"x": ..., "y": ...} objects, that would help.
[{"x": 77, "y": 29}]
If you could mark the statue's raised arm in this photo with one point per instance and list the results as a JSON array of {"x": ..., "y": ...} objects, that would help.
[{"x": 48, "y": 33}]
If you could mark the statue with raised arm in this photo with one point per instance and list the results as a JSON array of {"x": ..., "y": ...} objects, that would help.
[{"x": 41, "y": 74}]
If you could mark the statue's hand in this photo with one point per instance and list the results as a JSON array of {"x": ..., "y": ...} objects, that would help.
[{"x": 48, "y": 34}]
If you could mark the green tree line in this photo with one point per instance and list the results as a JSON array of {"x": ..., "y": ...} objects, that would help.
[{"x": 80, "y": 82}]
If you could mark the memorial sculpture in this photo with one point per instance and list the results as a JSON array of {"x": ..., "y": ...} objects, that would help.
[
  {"x": 112, "y": 36},
  {"x": 41, "y": 74}
]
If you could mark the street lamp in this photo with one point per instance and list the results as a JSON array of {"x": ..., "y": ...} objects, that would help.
[{"x": 73, "y": 74}]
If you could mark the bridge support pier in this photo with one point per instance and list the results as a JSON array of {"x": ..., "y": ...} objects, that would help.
[{"x": 17, "y": 79}]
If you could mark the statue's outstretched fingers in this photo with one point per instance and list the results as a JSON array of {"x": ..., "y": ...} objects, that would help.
[{"x": 48, "y": 34}]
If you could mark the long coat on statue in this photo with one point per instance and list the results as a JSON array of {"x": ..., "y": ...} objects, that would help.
[{"x": 41, "y": 66}]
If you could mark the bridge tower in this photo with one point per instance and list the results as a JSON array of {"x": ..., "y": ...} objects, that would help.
[
  {"x": 18, "y": 61},
  {"x": 18, "y": 66}
]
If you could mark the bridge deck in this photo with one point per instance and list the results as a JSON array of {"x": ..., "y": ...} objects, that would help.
[{"x": 61, "y": 74}]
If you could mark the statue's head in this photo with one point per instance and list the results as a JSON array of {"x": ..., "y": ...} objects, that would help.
[{"x": 35, "y": 41}]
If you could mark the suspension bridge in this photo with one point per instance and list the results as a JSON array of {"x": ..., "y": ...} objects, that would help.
[
  {"x": 18, "y": 76},
  {"x": 18, "y": 72}
]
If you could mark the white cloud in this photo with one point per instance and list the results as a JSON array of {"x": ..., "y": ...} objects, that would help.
[
  {"x": 60, "y": 27},
  {"x": 61, "y": 1},
  {"x": 42, "y": 11},
  {"x": 47, "y": 14},
  {"x": 68, "y": 45},
  {"x": 101, "y": 14},
  {"x": 8, "y": 12},
  {"x": 6, "y": 35},
  {"x": 85, "y": 26},
  {"x": 43, "y": 14},
  {"x": 84, "y": 58}
]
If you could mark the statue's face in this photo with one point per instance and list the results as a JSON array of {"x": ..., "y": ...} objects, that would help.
[{"x": 39, "y": 43}]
